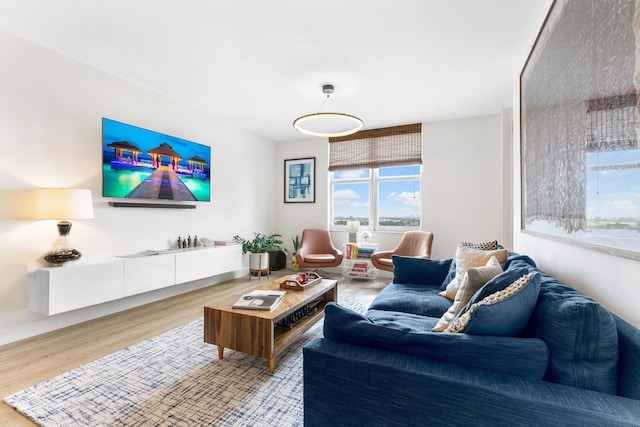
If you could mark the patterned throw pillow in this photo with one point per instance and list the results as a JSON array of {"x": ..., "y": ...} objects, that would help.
[
  {"x": 483, "y": 246},
  {"x": 467, "y": 258},
  {"x": 503, "y": 313},
  {"x": 475, "y": 278}
]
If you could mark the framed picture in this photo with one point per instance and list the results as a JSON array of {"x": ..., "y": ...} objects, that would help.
[
  {"x": 580, "y": 126},
  {"x": 300, "y": 180}
]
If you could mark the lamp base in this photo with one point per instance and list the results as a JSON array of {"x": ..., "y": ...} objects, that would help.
[
  {"x": 353, "y": 237},
  {"x": 62, "y": 250},
  {"x": 59, "y": 258}
]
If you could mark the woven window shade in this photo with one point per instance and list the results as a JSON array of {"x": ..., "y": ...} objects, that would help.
[{"x": 376, "y": 148}]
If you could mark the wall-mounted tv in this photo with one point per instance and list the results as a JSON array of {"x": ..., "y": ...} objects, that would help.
[{"x": 141, "y": 164}]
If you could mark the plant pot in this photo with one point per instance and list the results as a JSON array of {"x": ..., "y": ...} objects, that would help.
[
  {"x": 277, "y": 260},
  {"x": 259, "y": 262}
]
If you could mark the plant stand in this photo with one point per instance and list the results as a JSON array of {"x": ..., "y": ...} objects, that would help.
[{"x": 262, "y": 265}]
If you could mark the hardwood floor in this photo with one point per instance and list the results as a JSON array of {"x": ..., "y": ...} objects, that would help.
[{"x": 31, "y": 361}]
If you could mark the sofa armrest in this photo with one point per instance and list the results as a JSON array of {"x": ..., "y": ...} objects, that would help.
[{"x": 350, "y": 385}]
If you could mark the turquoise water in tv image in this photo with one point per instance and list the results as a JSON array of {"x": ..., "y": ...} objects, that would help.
[{"x": 117, "y": 183}]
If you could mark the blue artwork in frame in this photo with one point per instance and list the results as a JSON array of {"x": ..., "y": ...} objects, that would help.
[{"x": 299, "y": 180}]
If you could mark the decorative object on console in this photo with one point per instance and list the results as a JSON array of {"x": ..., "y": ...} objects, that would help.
[
  {"x": 328, "y": 124},
  {"x": 352, "y": 229},
  {"x": 365, "y": 235},
  {"x": 62, "y": 204}
]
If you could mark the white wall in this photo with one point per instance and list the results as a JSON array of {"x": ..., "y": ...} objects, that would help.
[
  {"x": 463, "y": 164},
  {"x": 612, "y": 281},
  {"x": 462, "y": 185},
  {"x": 50, "y": 133}
]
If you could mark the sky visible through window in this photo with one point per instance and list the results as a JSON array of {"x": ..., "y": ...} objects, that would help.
[
  {"x": 398, "y": 201},
  {"x": 613, "y": 186}
]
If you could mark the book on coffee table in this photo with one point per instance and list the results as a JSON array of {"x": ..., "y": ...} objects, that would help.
[{"x": 259, "y": 299}]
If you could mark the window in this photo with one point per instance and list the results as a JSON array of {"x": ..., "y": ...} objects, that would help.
[
  {"x": 376, "y": 177},
  {"x": 385, "y": 198}
]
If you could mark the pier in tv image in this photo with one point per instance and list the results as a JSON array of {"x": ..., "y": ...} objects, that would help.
[{"x": 141, "y": 164}]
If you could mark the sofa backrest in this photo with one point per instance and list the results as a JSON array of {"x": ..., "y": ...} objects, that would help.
[
  {"x": 628, "y": 359},
  {"x": 581, "y": 335}
]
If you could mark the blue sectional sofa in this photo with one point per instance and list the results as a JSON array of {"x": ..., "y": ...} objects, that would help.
[{"x": 567, "y": 362}]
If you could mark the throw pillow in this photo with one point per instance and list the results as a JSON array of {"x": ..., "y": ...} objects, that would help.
[
  {"x": 483, "y": 246},
  {"x": 475, "y": 278},
  {"x": 419, "y": 271},
  {"x": 504, "y": 313},
  {"x": 467, "y": 258}
]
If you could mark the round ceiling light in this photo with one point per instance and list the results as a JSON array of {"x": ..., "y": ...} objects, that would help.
[{"x": 328, "y": 124}]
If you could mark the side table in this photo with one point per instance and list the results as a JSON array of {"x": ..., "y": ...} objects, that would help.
[{"x": 357, "y": 260}]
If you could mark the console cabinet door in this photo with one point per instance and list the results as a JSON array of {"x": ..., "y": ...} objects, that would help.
[
  {"x": 148, "y": 273},
  {"x": 227, "y": 258},
  {"x": 194, "y": 265},
  {"x": 54, "y": 290}
]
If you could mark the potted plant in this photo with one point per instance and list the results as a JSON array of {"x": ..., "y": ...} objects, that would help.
[
  {"x": 259, "y": 249},
  {"x": 296, "y": 244}
]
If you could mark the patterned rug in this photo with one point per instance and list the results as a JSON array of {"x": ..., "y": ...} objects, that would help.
[{"x": 175, "y": 379}]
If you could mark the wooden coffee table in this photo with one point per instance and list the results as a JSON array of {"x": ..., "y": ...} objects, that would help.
[{"x": 256, "y": 332}]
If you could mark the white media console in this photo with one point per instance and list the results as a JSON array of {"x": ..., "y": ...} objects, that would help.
[{"x": 82, "y": 283}]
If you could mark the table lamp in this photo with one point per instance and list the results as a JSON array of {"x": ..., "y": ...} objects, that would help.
[
  {"x": 62, "y": 204},
  {"x": 352, "y": 229}
]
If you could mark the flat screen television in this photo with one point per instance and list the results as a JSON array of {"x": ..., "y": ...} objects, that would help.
[{"x": 141, "y": 164}]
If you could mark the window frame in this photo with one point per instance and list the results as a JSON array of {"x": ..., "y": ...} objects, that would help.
[{"x": 374, "y": 179}]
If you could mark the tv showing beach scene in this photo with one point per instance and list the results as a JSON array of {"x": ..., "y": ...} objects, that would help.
[{"x": 141, "y": 164}]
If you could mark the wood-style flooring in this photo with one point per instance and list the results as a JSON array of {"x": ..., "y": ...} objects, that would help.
[{"x": 31, "y": 361}]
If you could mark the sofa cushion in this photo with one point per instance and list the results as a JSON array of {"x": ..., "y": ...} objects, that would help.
[
  {"x": 412, "y": 334},
  {"x": 411, "y": 298},
  {"x": 581, "y": 335},
  {"x": 419, "y": 271},
  {"x": 503, "y": 313},
  {"x": 467, "y": 258},
  {"x": 475, "y": 278}
]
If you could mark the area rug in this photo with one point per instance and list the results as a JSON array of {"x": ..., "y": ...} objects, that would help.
[{"x": 175, "y": 379}]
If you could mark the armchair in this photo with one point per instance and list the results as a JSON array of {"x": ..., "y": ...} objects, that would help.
[
  {"x": 413, "y": 243},
  {"x": 316, "y": 250}
]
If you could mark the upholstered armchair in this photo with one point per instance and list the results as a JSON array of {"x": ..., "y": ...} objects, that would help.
[
  {"x": 413, "y": 243},
  {"x": 316, "y": 250}
]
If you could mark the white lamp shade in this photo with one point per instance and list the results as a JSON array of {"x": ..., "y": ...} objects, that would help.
[
  {"x": 352, "y": 226},
  {"x": 62, "y": 203}
]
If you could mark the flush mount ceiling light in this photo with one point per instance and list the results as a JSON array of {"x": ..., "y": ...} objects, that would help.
[{"x": 328, "y": 124}]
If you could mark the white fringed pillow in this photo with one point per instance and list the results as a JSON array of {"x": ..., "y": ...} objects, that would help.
[
  {"x": 474, "y": 279},
  {"x": 467, "y": 258}
]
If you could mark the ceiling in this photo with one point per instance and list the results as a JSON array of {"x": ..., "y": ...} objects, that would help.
[{"x": 259, "y": 64}]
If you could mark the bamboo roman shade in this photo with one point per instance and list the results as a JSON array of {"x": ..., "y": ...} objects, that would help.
[{"x": 376, "y": 148}]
